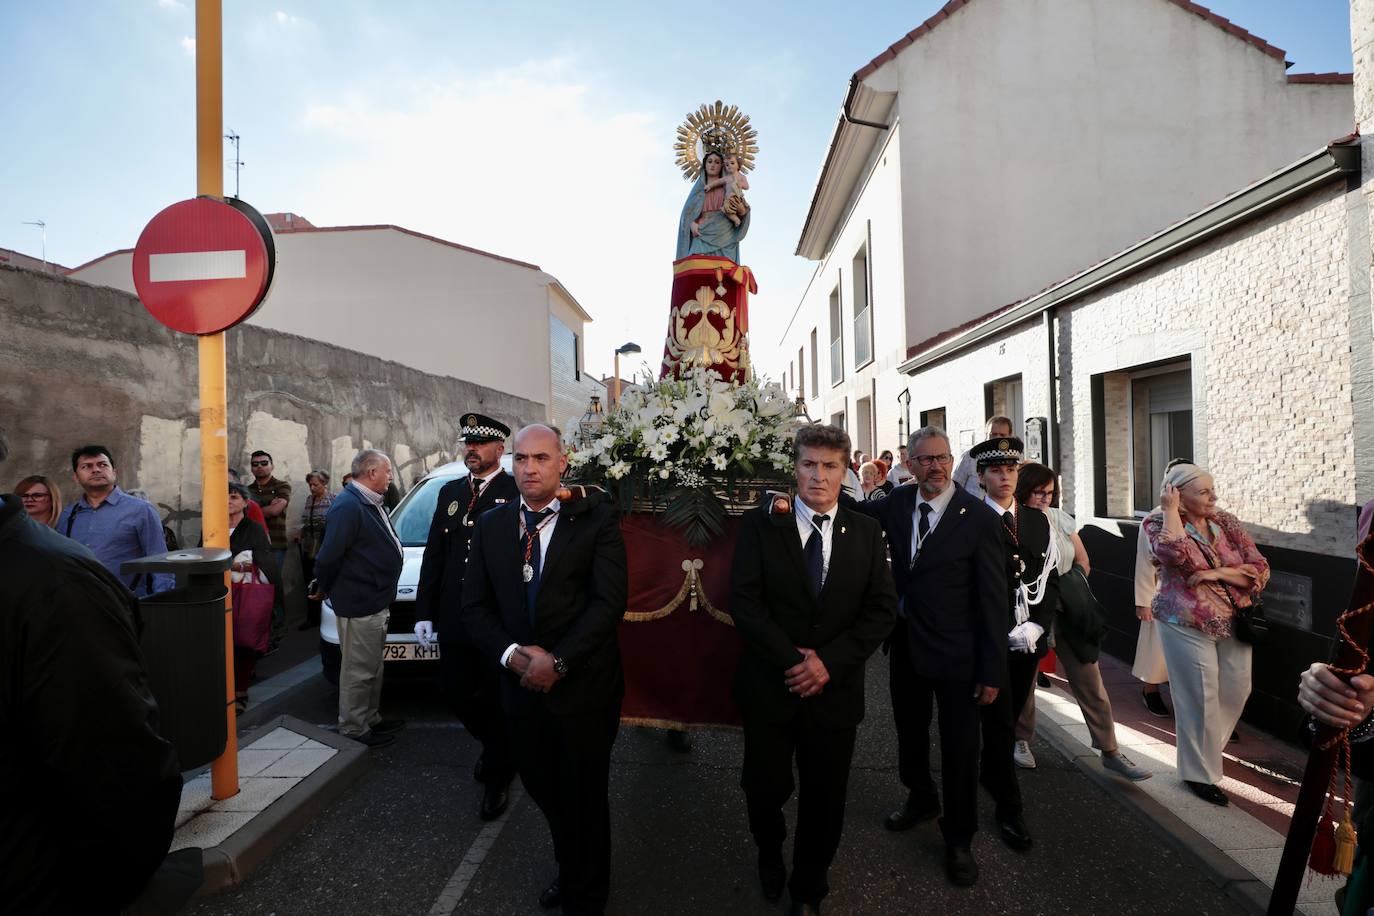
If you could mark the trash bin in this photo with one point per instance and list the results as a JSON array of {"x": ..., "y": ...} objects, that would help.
[{"x": 183, "y": 647}]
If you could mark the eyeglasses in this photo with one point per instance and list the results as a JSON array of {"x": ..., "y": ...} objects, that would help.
[
  {"x": 926, "y": 461},
  {"x": 32, "y": 497},
  {"x": 259, "y": 464},
  {"x": 1047, "y": 492}
]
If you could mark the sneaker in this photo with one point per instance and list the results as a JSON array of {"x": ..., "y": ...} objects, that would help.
[
  {"x": 1021, "y": 755},
  {"x": 1122, "y": 764},
  {"x": 1155, "y": 703}
]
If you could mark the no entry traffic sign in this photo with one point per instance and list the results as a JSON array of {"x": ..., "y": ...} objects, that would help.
[{"x": 201, "y": 266}]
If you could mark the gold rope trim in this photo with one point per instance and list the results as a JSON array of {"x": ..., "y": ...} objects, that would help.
[
  {"x": 675, "y": 725},
  {"x": 691, "y": 587}
]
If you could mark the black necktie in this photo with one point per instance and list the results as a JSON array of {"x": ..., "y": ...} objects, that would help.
[
  {"x": 923, "y": 526},
  {"x": 815, "y": 553},
  {"x": 476, "y": 485},
  {"x": 531, "y": 545},
  {"x": 1009, "y": 519}
]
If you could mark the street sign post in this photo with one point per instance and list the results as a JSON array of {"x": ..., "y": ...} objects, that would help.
[{"x": 203, "y": 265}]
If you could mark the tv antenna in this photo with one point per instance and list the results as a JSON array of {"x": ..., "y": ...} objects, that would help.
[
  {"x": 233, "y": 138},
  {"x": 43, "y": 227}
]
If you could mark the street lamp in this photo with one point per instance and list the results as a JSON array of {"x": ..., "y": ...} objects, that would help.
[{"x": 626, "y": 349}]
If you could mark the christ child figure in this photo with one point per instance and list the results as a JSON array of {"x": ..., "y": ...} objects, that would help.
[{"x": 735, "y": 207}]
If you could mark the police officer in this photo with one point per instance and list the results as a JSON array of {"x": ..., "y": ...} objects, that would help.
[
  {"x": 1032, "y": 596},
  {"x": 470, "y": 681}
]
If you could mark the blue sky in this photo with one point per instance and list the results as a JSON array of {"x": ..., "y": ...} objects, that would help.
[{"x": 537, "y": 130}]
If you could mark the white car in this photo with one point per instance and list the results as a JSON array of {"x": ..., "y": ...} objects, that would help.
[{"x": 411, "y": 519}]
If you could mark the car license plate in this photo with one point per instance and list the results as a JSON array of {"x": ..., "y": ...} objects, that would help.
[{"x": 409, "y": 652}]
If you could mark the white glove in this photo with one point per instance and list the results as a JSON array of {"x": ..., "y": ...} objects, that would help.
[
  {"x": 425, "y": 630},
  {"x": 1024, "y": 636}
]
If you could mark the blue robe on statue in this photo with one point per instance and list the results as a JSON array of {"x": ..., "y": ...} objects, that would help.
[{"x": 718, "y": 235}]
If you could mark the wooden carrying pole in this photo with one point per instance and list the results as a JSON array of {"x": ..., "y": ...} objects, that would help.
[
  {"x": 214, "y": 441},
  {"x": 1302, "y": 830}
]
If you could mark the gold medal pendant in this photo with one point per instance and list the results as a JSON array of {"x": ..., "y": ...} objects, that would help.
[
  {"x": 467, "y": 522},
  {"x": 527, "y": 572}
]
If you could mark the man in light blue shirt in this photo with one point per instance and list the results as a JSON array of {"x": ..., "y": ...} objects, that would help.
[{"x": 115, "y": 526}]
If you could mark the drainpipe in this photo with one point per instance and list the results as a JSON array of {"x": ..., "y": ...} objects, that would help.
[{"x": 849, "y": 100}]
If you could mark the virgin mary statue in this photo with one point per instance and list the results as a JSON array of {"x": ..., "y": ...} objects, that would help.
[{"x": 705, "y": 227}]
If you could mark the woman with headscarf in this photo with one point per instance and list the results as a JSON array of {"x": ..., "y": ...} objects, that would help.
[{"x": 1209, "y": 572}]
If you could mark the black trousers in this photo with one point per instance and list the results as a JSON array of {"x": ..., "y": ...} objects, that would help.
[
  {"x": 823, "y": 756},
  {"x": 913, "y": 697},
  {"x": 473, "y": 686},
  {"x": 999, "y": 733},
  {"x": 312, "y": 607},
  {"x": 565, "y": 765}
]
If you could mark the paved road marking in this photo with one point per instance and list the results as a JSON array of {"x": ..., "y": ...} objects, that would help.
[{"x": 458, "y": 882}]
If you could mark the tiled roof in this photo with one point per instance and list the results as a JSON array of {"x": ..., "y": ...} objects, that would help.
[
  {"x": 1325, "y": 78},
  {"x": 954, "y": 6}
]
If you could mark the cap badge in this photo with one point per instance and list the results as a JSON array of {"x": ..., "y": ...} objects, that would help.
[{"x": 1003, "y": 444}]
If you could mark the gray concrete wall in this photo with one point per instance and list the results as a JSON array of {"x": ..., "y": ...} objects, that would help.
[{"x": 82, "y": 363}]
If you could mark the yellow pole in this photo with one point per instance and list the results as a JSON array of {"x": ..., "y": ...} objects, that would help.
[
  {"x": 214, "y": 442},
  {"x": 615, "y": 402}
]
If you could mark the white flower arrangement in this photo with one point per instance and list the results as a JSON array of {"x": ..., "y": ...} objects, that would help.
[{"x": 688, "y": 437}]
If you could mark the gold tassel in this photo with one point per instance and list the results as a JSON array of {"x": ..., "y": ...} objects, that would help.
[{"x": 1346, "y": 839}]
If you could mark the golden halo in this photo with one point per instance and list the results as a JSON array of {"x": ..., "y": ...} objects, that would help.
[{"x": 720, "y": 127}]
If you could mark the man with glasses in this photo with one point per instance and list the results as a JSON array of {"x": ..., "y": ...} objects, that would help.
[
  {"x": 115, "y": 526},
  {"x": 950, "y": 643},
  {"x": 273, "y": 496}
]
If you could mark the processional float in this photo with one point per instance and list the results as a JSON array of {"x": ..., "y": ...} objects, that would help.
[{"x": 686, "y": 454}]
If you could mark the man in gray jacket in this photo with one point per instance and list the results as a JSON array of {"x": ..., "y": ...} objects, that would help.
[{"x": 357, "y": 568}]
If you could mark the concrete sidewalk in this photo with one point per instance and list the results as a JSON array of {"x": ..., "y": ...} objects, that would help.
[{"x": 1241, "y": 843}]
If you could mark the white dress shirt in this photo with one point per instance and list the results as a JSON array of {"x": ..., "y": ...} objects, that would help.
[
  {"x": 938, "y": 505},
  {"x": 805, "y": 525},
  {"x": 545, "y": 535}
]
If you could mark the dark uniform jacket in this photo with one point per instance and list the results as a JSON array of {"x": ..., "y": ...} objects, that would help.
[
  {"x": 88, "y": 787},
  {"x": 775, "y": 611},
  {"x": 1026, "y": 553},
  {"x": 584, "y": 586},
  {"x": 359, "y": 562},
  {"x": 440, "y": 595}
]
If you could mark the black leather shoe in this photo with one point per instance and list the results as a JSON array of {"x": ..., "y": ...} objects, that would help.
[
  {"x": 479, "y": 769},
  {"x": 912, "y": 813},
  {"x": 1155, "y": 703},
  {"x": 552, "y": 896},
  {"x": 389, "y": 726},
  {"x": 494, "y": 802},
  {"x": 374, "y": 739},
  {"x": 680, "y": 741},
  {"x": 1014, "y": 832},
  {"x": 772, "y": 873},
  {"x": 960, "y": 866},
  {"x": 1208, "y": 792},
  {"x": 804, "y": 909}
]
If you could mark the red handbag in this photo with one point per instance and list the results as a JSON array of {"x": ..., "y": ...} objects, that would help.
[{"x": 252, "y": 609}]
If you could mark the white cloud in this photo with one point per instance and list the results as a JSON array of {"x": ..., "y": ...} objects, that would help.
[
  {"x": 286, "y": 20},
  {"x": 188, "y": 44},
  {"x": 532, "y": 163},
  {"x": 173, "y": 5}
]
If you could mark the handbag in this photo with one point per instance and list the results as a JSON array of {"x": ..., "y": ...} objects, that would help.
[
  {"x": 1248, "y": 623},
  {"x": 1082, "y": 621},
  {"x": 252, "y": 603}
]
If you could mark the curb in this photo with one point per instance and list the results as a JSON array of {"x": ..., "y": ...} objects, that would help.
[
  {"x": 1225, "y": 872},
  {"x": 228, "y": 864},
  {"x": 271, "y": 697}
]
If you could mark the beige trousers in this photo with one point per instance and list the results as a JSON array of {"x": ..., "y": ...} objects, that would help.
[
  {"x": 1085, "y": 680},
  {"x": 1209, "y": 681},
  {"x": 360, "y": 672}
]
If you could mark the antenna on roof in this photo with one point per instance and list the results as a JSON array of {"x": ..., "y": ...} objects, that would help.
[
  {"x": 44, "y": 227},
  {"x": 233, "y": 138}
]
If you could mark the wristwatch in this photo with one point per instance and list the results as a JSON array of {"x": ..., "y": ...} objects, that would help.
[{"x": 560, "y": 667}]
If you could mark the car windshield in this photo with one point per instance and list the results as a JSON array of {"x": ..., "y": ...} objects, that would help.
[{"x": 412, "y": 517}]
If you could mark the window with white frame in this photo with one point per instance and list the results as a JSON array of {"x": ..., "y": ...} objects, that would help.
[
  {"x": 1142, "y": 419},
  {"x": 815, "y": 368},
  {"x": 836, "y": 338},
  {"x": 863, "y": 311}
]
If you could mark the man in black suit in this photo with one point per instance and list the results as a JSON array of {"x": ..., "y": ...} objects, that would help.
[
  {"x": 470, "y": 681},
  {"x": 950, "y": 643},
  {"x": 811, "y": 595},
  {"x": 545, "y": 589},
  {"x": 1031, "y": 595}
]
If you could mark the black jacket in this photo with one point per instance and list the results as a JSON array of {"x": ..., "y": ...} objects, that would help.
[
  {"x": 584, "y": 587},
  {"x": 1026, "y": 552},
  {"x": 359, "y": 562},
  {"x": 86, "y": 780},
  {"x": 954, "y": 596},
  {"x": 440, "y": 595},
  {"x": 775, "y": 611}
]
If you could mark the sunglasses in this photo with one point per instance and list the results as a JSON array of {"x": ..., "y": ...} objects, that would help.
[{"x": 259, "y": 464}]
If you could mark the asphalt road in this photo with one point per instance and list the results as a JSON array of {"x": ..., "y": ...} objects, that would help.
[{"x": 394, "y": 842}]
